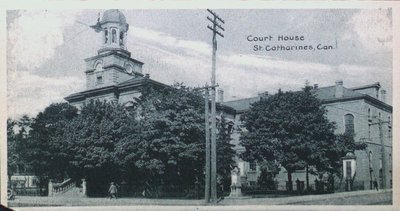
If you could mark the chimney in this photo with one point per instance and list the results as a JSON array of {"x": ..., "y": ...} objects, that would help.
[
  {"x": 220, "y": 97},
  {"x": 339, "y": 89},
  {"x": 383, "y": 95},
  {"x": 315, "y": 86},
  {"x": 147, "y": 75}
]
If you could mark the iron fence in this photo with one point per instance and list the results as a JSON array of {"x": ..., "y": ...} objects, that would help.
[{"x": 31, "y": 191}]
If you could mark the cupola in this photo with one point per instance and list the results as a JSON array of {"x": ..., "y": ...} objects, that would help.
[{"x": 114, "y": 29}]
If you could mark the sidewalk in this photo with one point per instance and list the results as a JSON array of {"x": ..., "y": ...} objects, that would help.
[
  {"x": 344, "y": 198},
  {"x": 26, "y": 201},
  {"x": 365, "y": 197}
]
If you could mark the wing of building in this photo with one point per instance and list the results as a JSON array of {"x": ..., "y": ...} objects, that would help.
[{"x": 360, "y": 110}]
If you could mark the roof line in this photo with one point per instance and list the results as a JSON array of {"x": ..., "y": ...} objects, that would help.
[{"x": 376, "y": 84}]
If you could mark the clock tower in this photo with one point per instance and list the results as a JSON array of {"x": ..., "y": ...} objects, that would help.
[
  {"x": 112, "y": 75},
  {"x": 113, "y": 63}
]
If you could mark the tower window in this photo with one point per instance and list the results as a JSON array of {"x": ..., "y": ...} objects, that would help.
[
  {"x": 369, "y": 114},
  {"x": 121, "y": 38},
  {"x": 114, "y": 35},
  {"x": 349, "y": 124},
  {"x": 369, "y": 117},
  {"x": 99, "y": 79},
  {"x": 105, "y": 36}
]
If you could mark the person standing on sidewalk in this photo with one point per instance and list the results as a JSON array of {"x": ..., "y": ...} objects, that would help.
[
  {"x": 113, "y": 191},
  {"x": 376, "y": 184}
]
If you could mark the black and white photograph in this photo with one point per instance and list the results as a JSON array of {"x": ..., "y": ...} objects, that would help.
[{"x": 189, "y": 109}]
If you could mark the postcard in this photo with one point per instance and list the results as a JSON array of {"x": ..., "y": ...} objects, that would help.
[{"x": 183, "y": 108}]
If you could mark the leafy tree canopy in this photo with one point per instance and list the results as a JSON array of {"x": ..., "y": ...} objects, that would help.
[
  {"x": 158, "y": 140},
  {"x": 291, "y": 128},
  {"x": 46, "y": 155}
]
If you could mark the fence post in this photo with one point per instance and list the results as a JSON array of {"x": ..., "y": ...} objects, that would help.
[
  {"x": 83, "y": 187},
  {"x": 50, "y": 188}
]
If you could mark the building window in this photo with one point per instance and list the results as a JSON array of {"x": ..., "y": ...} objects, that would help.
[
  {"x": 113, "y": 35},
  {"x": 369, "y": 116},
  {"x": 348, "y": 169},
  {"x": 349, "y": 124},
  {"x": 370, "y": 160},
  {"x": 253, "y": 166},
  {"x": 389, "y": 126}
]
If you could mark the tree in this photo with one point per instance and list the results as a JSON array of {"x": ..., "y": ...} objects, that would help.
[
  {"x": 225, "y": 151},
  {"x": 91, "y": 140},
  {"x": 342, "y": 144},
  {"x": 292, "y": 129},
  {"x": 13, "y": 158},
  {"x": 46, "y": 155},
  {"x": 171, "y": 135},
  {"x": 17, "y": 138},
  {"x": 159, "y": 140},
  {"x": 170, "y": 147}
]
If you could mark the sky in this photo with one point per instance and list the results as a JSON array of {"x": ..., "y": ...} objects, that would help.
[{"x": 46, "y": 50}]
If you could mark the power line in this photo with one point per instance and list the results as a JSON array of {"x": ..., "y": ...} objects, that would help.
[{"x": 76, "y": 35}]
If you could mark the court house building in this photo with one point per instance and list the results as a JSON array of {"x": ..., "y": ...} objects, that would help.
[{"x": 112, "y": 75}]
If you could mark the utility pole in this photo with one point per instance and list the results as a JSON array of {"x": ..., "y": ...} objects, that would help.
[
  {"x": 383, "y": 158},
  {"x": 214, "y": 20},
  {"x": 208, "y": 152},
  {"x": 208, "y": 146}
]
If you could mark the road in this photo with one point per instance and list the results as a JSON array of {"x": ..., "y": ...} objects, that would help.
[{"x": 346, "y": 198}]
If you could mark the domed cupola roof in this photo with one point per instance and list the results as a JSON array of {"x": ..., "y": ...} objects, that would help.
[{"x": 113, "y": 16}]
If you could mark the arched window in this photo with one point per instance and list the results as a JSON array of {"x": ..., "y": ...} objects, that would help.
[
  {"x": 99, "y": 67},
  {"x": 121, "y": 38},
  {"x": 114, "y": 35},
  {"x": 105, "y": 36},
  {"x": 349, "y": 124}
]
